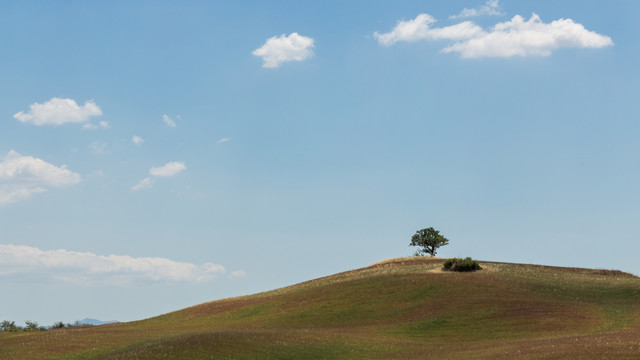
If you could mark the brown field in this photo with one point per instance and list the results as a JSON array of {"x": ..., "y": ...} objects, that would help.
[{"x": 403, "y": 308}]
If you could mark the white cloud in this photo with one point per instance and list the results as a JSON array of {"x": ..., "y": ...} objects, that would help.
[
  {"x": 169, "y": 121},
  {"x": 145, "y": 183},
  {"x": 410, "y": 30},
  {"x": 490, "y": 8},
  {"x": 463, "y": 30},
  {"x": 101, "y": 125},
  {"x": 280, "y": 49},
  {"x": 222, "y": 140},
  {"x": 137, "y": 140},
  {"x": 237, "y": 274},
  {"x": 516, "y": 37},
  {"x": 22, "y": 176},
  {"x": 21, "y": 261},
  {"x": 98, "y": 147},
  {"x": 419, "y": 29},
  {"x": 59, "y": 111},
  {"x": 96, "y": 173},
  {"x": 14, "y": 193},
  {"x": 525, "y": 38},
  {"x": 169, "y": 169}
]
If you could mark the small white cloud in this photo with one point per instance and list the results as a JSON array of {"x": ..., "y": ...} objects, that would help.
[
  {"x": 490, "y": 8},
  {"x": 95, "y": 174},
  {"x": 169, "y": 169},
  {"x": 98, "y": 147},
  {"x": 23, "y": 176},
  {"x": 101, "y": 125},
  {"x": 280, "y": 49},
  {"x": 58, "y": 111},
  {"x": 19, "y": 261},
  {"x": 137, "y": 140},
  {"x": 511, "y": 38},
  {"x": 237, "y": 274},
  {"x": 145, "y": 183},
  {"x": 169, "y": 121},
  {"x": 223, "y": 140}
]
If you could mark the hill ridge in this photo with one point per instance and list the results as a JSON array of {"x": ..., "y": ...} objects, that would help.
[{"x": 400, "y": 308}]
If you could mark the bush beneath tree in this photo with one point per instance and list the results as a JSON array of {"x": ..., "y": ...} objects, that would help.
[{"x": 457, "y": 264}]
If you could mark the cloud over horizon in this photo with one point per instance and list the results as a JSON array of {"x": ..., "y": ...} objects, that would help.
[
  {"x": 22, "y": 176},
  {"x": 516, "y": 37},
  {"x": 58, "y": 111},
  {"x": 86, "y": 268},
  {"x": 279, "y": 49}
]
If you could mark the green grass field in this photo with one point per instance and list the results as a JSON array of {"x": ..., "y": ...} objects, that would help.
[{"x": 398, "y": 309}]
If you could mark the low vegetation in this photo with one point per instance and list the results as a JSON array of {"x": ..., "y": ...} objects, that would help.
[
  {"x": 407, "y": 308},
  {"x": 7, "y": 325},
  {"x": 462, "y": 265},
  {"x": 11, "y": 326}
]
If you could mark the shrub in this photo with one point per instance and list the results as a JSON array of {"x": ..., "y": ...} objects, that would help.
[
  {"x": 31, "y": 325},
  {"x": 58, "y": 325},
  {"x": 77, "y": 323},
  {"x": 7, "y": 325},
  {"x": 466, "y": 264}
]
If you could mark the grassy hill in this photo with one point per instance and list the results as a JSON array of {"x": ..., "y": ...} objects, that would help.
[{"x": 397, "y": 309}]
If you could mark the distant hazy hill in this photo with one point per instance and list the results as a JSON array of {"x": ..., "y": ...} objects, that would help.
[
  {"x": 397, "y": 309},
  {"x": 91, "y": 321}
]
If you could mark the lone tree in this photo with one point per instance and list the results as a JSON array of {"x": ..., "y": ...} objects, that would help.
[{"x": 429, "y": 239}]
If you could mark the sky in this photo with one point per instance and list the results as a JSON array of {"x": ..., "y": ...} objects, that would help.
[{"x": 156, "y": 154}]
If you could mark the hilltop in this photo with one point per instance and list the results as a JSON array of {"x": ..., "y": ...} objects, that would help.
[{"x": 406, "y": 308}]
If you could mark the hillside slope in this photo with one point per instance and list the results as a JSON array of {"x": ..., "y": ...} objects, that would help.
[{"x": 397, "y": 309}]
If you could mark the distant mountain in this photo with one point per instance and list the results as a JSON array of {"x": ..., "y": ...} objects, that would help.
[{"x": 90, "y": 321}]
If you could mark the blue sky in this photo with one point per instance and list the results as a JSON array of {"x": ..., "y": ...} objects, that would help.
[{"x": 156, "y": 155}]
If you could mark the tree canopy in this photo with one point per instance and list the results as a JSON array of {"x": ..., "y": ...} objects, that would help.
[{"x": 429, "y": 239}]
